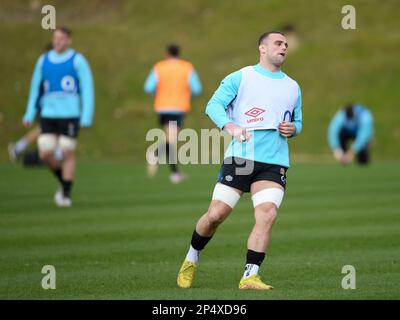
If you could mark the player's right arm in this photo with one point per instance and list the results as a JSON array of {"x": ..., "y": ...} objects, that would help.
[
  {"x": 219, "y": 103},
  {"x": 150, "y": 85},
  {"x": 334, "y": 128},
  {"x": 34, "y": 92}
]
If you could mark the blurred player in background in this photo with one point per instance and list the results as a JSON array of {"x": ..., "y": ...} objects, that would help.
[
  {"x": 264, "y": 107},
  {"x": 353, "y": 124},
  {"x": 174, "y": 82},
  {"x": 66, "y": 104},
  {"x": 292, "y": 37}
]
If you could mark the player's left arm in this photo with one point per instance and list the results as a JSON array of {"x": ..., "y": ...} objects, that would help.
[
  {"x": 365, "y": 133},
  {"x": 294, "y": 127},
  {"x": 194, "y": 83},
  {"x": 86, "y": 90}
]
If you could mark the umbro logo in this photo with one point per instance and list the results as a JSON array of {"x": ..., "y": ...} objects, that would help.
[
  {"x": 229, "y": 178},
  {"x": 254, "y": 112}
]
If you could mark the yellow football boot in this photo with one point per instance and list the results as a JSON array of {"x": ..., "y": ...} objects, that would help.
[
  {"x": 254, "y": 282},
  {"x": 186, "y": 274}
]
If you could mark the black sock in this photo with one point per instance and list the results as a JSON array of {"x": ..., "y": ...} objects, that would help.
[
  {"x": 172, "y": 164},
  {"x": 254, "y": 257},
  {"x": 58, "y": 174},
  {"x": 167, "y": 150},
  {"x": 174, "y": 167},
  {"x": 198, "y": 241},
  {"x": 67, "y": 185}
]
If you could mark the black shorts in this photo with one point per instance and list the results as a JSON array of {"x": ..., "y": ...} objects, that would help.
[
  {"x": 165, "y": 118},
  {"x": 65, "y": 127},
  {"x": 231, "y": 176}
]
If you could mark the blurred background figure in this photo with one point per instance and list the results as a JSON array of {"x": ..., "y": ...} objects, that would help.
[
  {"x": 19, "y": 150},
  {"x": 174, "y": 82},
  {"x": 351, "y": 124},
  {"x": 62, "y": 92},
  {"x": 292, "y": 37}
]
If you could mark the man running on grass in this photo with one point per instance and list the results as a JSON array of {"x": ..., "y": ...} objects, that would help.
[
  {"x": 66, "y": 105},
  {"x": 260, "y": 106}
]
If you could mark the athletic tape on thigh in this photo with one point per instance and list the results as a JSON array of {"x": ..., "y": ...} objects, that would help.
[
  {"x": 67, "y": 143},
  {"x": 47, "y": 141},
  {"x": 225, "y": 194},
  {"x": 274, "y": 195}
]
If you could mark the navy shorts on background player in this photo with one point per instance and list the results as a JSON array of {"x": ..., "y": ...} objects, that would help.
[
  {"x": 65, "y": 127},
  {"x": 165, "y": 118}
]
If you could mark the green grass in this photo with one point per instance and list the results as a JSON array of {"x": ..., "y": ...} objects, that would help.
[{"x": 125, "y": 237}]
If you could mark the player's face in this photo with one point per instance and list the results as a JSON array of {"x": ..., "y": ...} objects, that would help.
[
  {"x": 275, "y": 49},
  {"x": 61, "y": 41}
]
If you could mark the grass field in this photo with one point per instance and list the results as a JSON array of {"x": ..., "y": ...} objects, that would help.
[{"x": 126, "y": 235}]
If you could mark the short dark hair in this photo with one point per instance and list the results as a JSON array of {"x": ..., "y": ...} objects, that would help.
[
  {"x": 65, "y": 30},
  {"x": 349, "y": 110},
  {"x": 173, "y": 50},
  {"x": 266, "y": 34},
  {"x": 288, "y": 27}
]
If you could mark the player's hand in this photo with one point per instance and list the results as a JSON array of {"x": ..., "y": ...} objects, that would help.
[
  {"x": 338, "y": 155},
  {"x": 84, "y": 125},
  {"x": 27, "y": 124},
  {"x": 348, "y": 157},
  {"x": 239, "y": 133},
  {"x": 286, "y": 129}
]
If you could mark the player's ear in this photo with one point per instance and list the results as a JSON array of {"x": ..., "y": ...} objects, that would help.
[{"x": 262, "y": 48}]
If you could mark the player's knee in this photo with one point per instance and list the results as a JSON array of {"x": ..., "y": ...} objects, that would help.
[
  {"x": 67, "y": 144},
  {"x": 217, "y": 212},
  {"x": 67, "y": 154},
  {"x": 266, "y": 214},
  {"x": 47, "y": 144},
  {"x": 44, "y": 155}
]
